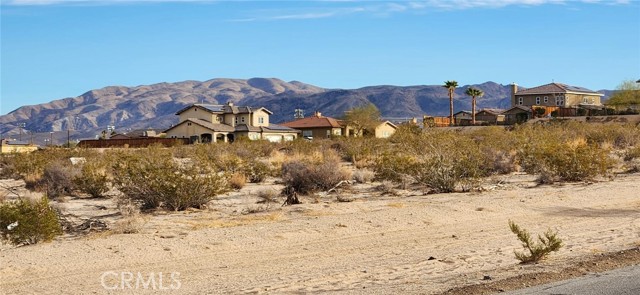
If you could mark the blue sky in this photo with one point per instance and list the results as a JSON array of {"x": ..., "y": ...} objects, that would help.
[{"x": 53, "y": 49}]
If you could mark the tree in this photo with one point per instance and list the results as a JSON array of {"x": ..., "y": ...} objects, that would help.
[
  {"x": 626, "y": 94},
  {"x": 451, "y": 87},
  {"x": 474, "y": 92},
  {"x": 366, "y": 117}
]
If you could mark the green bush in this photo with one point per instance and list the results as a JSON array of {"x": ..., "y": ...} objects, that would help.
[
  {"x": 557, "y": 161},
  {"x": 92, "y": 179},
  {"x": 256, "y": 171},
  {"x": 154, "y": 179},
  {"x": 536, "y": 251},
  {"x": 26, "y": 222}
]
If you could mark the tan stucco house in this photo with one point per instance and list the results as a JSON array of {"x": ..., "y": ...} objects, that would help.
[
  {"x": 225, "y": 123},
  {"x": 16, "y": 146},
  {"x": 557, "y": 95}
]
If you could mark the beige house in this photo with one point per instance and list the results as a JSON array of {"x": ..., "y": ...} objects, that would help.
[
  {"x": 385, "y": 129},
  {"x": 555, "y": 94},
  {"x": 212, "y": 123},
  {"x": 15, "y": 146}
]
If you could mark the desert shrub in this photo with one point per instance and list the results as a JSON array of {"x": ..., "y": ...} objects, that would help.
[
  {"x": 92, "y": 179},
  {"x": 619, "y": 136},
  {"x": 152, "y": 178},
  {"x": 392, "y": 166},
  {"x": 306, "y": 178},
  {"x": 130, "y": 222},
  {"x": 549, "y": 242},
  {"x": 256, "y": 171},
  {"x": 632, "y": 153},
  {"x": 386, "y": 187},
  {"x": 497, "y": 145},
  {"x": 363, "y": 175},
  {"x": 237, "y": 180},
  {"x": 568, "y": 161},
  {"x": 359, "y": 150},
  {"x": 57, "y": 179},
  {"x": 267, "y": 196},
  {"x": 26, "y": 222}
]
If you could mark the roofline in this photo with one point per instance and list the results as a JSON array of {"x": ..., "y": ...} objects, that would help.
[{"x": 571, "y": 92}]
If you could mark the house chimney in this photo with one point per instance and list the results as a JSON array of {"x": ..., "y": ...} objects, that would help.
[
  {"x": 514, "y": 90},
  {"x": 318, "y": 114},
  {"x": 229, "y": 103}
]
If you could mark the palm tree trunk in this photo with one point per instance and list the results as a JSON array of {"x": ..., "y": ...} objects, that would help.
[
  {"x": 450, "y": 107},
  {"x": 473, "y": 110}
]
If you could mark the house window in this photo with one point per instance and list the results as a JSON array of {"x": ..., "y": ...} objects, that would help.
[
  {"x": 188, "y": 124},
  {"x": 307, "y": 133},
  {"x": 242, "y": 119},
  {"x": 537, "y": 100},
  {"x": 219, "y": 119},
  {"x": 261, "y": 120},
  {"x": 546, "y": 99},
  {"x": 337, "y": 132},
  {"x": 236, "y": 120},
  {"x": 520, "y": 100},
  {"x": 560, "y": 100},
  {"x": 328, "y": 133},
  {"x": 385, "y": 134}
]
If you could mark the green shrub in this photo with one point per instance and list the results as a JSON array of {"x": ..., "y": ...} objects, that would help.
[
  {"x": 26, "y": 222},
  {"x": 153, "y": 178},
  {"x": 256, "y": 171},
  {"x": 394, "y": 166},
  {"x": 92, "y": 179},
  {"x": 557, "y": 161},
  {"x": 536, "y": 251}
]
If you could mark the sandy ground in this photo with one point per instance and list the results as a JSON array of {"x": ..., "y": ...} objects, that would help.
[{"x": 411, "y": 243}]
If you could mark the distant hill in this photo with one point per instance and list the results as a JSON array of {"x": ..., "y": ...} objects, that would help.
[{"x": 154, "y": 106}]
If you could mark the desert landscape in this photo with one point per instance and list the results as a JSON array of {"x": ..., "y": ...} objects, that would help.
[{"x": 358, "y": 237}]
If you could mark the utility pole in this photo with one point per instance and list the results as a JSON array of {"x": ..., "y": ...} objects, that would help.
[
  {"x": 51, "y": 138},
  {"x": 21, "y": 125}
]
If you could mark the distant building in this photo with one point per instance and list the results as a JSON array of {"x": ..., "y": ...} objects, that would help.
[
  {"x": 16, "y": 146},
  {"x": 557, "y": 95},
  {"x": 319, "y": 126},
  {"x": 491, "y": 116},
  {"x": 212, "y": 123}
]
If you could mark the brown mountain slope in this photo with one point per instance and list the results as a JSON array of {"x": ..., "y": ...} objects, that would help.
[{"x": 154, "y": 106}]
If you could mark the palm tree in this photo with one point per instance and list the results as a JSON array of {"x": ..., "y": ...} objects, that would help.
[
  {"x": 473, "y": 92},
  {"x": 451, "y": 86}
]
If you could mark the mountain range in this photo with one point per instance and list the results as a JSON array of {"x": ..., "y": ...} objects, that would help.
[{"x": 154, "y": 106}]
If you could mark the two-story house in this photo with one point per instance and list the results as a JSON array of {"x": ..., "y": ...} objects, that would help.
[
  {"x": 213, "y": 123},
  {"x": 555, "y": 95}
]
